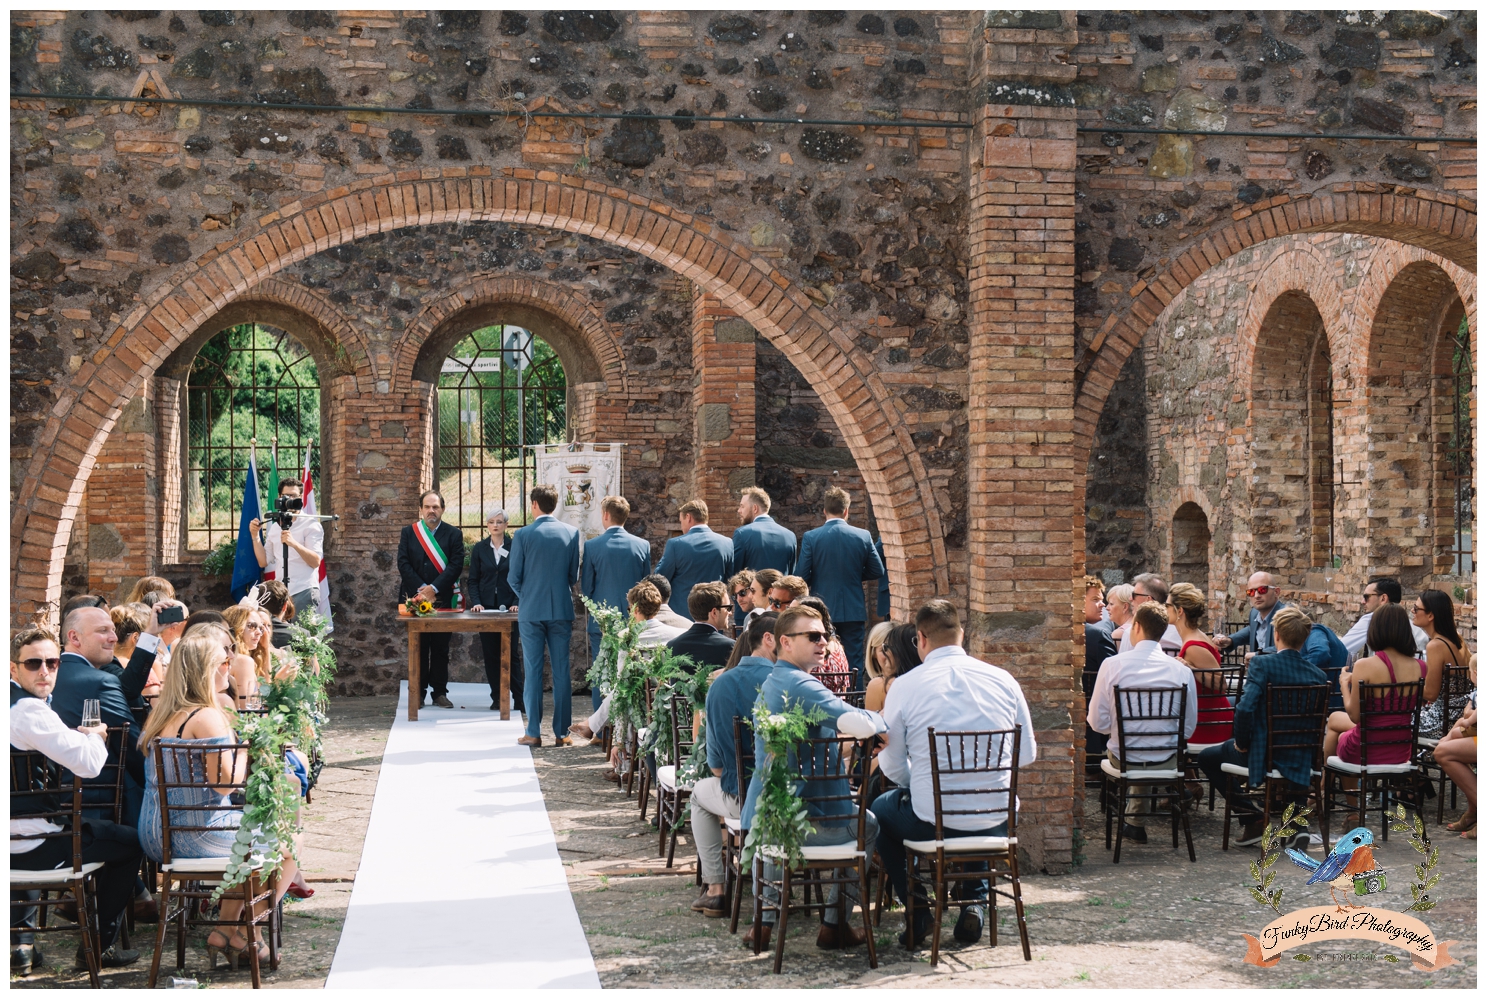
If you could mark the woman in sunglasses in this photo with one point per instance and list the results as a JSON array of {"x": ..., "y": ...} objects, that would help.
[{"x": 1435, "y": 614}]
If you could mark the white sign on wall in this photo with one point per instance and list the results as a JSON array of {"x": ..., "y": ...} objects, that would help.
[{"x": 583, "y": 474}]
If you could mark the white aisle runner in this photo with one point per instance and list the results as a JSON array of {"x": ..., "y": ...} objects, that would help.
[{"x": 460, "y": 884}]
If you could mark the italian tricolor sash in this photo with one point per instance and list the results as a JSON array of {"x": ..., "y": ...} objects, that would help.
[{"x": 430, "y": 546}]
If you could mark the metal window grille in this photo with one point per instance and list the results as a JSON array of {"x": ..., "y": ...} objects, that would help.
[
  {"x": 499, "y": 389},
  {"x": 1324, "y": 494},
  {"x": 249, "y": 382},
  {"x": 1459, "y": 455}
]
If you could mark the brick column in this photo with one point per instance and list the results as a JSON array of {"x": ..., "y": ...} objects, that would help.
[
  {"x": 723, "y": 407},
  {"x": 1026, "y": 490},
  {"x": 123, "y": 505}
]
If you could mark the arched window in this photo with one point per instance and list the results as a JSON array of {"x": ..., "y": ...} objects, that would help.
[
  {"x": 500, "y": 388},
  {"x": 1319, "y": 442},
  {"x": 250, "y": 382},
  {"x": 1190, "y": 546}
]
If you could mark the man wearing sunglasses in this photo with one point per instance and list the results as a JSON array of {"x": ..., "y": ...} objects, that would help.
[
  {"x": 1379, "y": 591},
  {"x": 1259, "y": 634},
  {"x": 35, "y": 727},
  {"x": 800, "y": 641}
]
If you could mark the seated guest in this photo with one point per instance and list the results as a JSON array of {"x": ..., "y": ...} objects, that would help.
[
  {"x": 704, "y": 643},
  {"x": 835, "y": 673},
  {"x": 143, "y": 587},
  {"x": 1435, "y": 614},
  {"x": 1286, "y": 667},
  {"x": 764, "y": 580},
  {"x": 188, "y": 712},
  {"x": 1119, "y": 609},
  {"x": 1186, "y": 609},
  {"x": 245, "y": 679},
  {"x": 85, "y": 600},
  {"x": 872, "y": 651},
  {"x": 800, "y": 642},
  {"x": 646, "y": 605},
  {"x": 731, "y": 695},
  {"x": 1325, "y": 651},
  {"x": 130, "y": 622},
  {"x": 149, "y": 649},
  {"x": 1457, "y": 755},
  {"x": 898, "y": 654},
  {"x": 1389, "y": 634},
  {"x": 1259, "y": 634},
  {"x": 787, "y": 591},
  {"x": 742, "y": 588},
  {"x": 666, "y": 615},
  {"x": 35, "y": 727},
  {"x": 89, "y": 636},
  {"x": 1378, "y": 591},
  {"x": 1146, "y": 665},
  {"x": 1150, "y": 586},
  {"x": 274, "y": 596},
  {"x": 1098, "y": 646},
  {"x": 951, "y": 691}
]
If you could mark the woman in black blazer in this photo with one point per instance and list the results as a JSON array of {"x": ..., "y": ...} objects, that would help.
[{"x": 490, "y": 561}]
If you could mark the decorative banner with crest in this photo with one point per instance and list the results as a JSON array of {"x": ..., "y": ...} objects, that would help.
[{"x": 583, "y": 474}]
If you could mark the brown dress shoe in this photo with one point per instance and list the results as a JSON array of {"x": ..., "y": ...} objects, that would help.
[
  {"x": 529, "y": 740},
  {"x": 748, "y": 937},
  {"x": 613, "y": 776},
  {"x": 581, "y": 730},
  {"x": 562, "y": 740}
]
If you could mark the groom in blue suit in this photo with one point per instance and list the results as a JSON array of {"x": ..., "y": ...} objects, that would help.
[
  {"x": 612, "y": 563},
  {"x": 835, "y": 560},
  {"x": 700, "y": 555},
  {"x": 544, "y": 567}
]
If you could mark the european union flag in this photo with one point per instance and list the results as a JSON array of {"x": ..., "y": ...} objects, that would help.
[{"x": 245, "y": 568}]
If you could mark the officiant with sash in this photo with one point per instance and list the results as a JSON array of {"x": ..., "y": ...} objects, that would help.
[
  {"x": 488, "y": 589},
  {"x": 431, "y": 556}
]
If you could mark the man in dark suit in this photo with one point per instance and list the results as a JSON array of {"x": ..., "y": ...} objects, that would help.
[
  {"x": 489, "y": 589},
  {"x": 544, "y": 567},
  {"x": 884, "y": 601},
  {"x": 431, "y": 556},
  {"x": 89, "y": 639},
  {"x": 835, "y": 560},
  {"x": 761, "y": 543},
  {"x": 1098, "y": 646},
  {"x": 704, "y": 643},
  {"x": 698, "y": 556},
  {"x": 612, "y": 563}
]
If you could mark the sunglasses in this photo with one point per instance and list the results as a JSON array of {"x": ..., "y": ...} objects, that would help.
[
  {"x": 1259, "y": 591},
  {"x": 36, "y": 665},
  {"x": 777, "y": 603},
  {"x": 814, "y": 637}
]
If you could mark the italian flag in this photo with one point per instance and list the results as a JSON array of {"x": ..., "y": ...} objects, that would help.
[{"x": 324, "y": 599}]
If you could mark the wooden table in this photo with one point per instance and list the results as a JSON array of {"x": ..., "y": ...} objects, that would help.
[{"x": 504, "y": 622}]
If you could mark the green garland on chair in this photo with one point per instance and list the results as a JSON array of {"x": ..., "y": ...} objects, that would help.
[
  {"x": 781, "y": 820},
  {"x": 676, "y": 681}
]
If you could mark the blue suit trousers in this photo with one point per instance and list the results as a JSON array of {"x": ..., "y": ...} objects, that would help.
[{"x": 554, "y": 637}]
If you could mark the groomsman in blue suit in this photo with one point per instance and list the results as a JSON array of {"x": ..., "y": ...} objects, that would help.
[
  {"x": 612, "y": 563},
  {"x": 544, "y": 567},
  {"x": 761, "y": 543},
  {"x": 700, "y": 555},
  {"x": 835, "y": 560}
]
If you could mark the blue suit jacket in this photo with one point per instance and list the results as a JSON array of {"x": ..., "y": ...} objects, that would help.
[
  {"x": 1325, "y": 650},
  {"x": 764, "y": 544},
  {"x": 544, "y": 567},
  {"x": 1251, "y": 633},
  {"x": 78, "y": 681},
  {"x": 699, "y": 556},
  {"x": 835, "y": 559},
  {"x": 1283, "y": 668},
  {"x": 612, "y": 563}
]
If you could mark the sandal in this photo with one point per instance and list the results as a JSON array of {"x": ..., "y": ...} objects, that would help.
[
  {"x": 224, "y": 948},
  {"x": 1467, "y": 821},
  {"x": 237, "y": 950},
  {"x": 1470, "y": 833}
]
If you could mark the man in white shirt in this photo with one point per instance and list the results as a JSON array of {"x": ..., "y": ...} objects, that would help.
[
  {"x": 306, "y": 548},
  {"x": 35, "y": 727},
  {"x": 645, "y": 603},
  {"x": 1146, "y": 665},
  {"x": 951, "y": 692},
  {"x": 1379, "y": 591},
  {"x": 1150, "y": 586}
]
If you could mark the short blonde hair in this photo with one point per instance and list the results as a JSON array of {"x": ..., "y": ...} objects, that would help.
[
  {"x": 793, "y": 585},
  {"x": 757, "y": 496},
  {"x": 1292, "y": 626},
  {"x": 696, "y": 509},
  {"x": 1120, "y": 594},
  {"x": 875, "y": 639}
]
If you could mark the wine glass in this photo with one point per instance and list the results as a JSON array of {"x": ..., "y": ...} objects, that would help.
[
  {"x": 253, "y": 702},
  {"x": 92, "y": 715}
]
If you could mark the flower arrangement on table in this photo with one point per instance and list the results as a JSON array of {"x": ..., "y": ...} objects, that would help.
[
  {"x": 416, "y": 607},
  {"x": 295, "y": 712},
  {"x": 781, "y": 820}
]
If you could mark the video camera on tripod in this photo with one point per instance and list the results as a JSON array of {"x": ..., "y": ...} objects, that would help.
[{"x": 288, "y": 508}]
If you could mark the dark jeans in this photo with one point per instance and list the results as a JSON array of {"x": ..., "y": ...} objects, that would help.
[
  {"x": 852, "y": 635},
  {"x": 433, "y": 663},
  {"x": 490, "y": 644},
  {"x": 1246, "y": 809},
  {"x": 115, "y": 846},
  {"x": 554, "y": 637},
  {"x": 897, "y": 822}
]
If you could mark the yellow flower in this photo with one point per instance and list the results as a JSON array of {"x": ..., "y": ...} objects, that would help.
[{"x": 425, "y": 606}]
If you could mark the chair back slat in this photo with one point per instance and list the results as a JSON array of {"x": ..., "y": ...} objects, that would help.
[
  {"x": 680, "y": 720},
  {"x": 1160, "y": 712},
  {"x": 40, "y": 789},
  {"x": 1389, "y": 715},
  {"x": 181, "y": 765},
  {"x": 1296, "y": 720},
  {"x": 107, "y": 790},
  {"x": 819, "y": 762},
  {"x": 743, "y": 753},
  {"x": 856, "y": 698},
  {"x": 987, "y": 753}
]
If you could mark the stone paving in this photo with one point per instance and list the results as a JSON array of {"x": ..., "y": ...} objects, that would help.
[{"x": 1154, "y": 920}]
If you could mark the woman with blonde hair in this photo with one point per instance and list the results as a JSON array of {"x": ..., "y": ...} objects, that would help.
[
  {"x": 251, "y": 659},
  {"x": 874, "y": 647},
  {"x": 1118, "y": 605},
  {"x": 150, "y": 584},
  {"x": 187, "y": 713}
]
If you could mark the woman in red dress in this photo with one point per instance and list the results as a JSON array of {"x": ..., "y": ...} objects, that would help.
[{"x": 1186, "y": 607}]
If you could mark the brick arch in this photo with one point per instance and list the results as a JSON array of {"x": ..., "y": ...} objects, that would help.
[
  {"x": 746, "y": 283},
  {"x": 1297, "y": 269},
  {"x": 586, "y": 331},
  {"x": 1189, "y": 495},
  {"x": 1428, "y": 222}
]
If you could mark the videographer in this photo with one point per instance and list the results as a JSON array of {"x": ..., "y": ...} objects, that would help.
[{"x": 306, "y": 546}]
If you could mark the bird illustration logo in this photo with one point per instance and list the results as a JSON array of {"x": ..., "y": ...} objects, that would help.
[{"x": 1350, "y": 860}]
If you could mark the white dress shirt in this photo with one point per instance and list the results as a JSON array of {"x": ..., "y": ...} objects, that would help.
[
  {"x": 1171, "y": 640},
  {"x": 34, "y": 726},
  {"x": 953, "y": 693},
  {"x": 1144, "y": 666},
  {"x": 653, "y": 635},
  {"x": 1357, "y": 636},
  {"x": 305, "y": 532}
]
